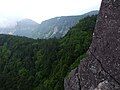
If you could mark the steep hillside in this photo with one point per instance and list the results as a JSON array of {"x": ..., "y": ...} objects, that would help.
[
  {"x": 42, "y": 64},
  {"x": 59, "y": 26}
]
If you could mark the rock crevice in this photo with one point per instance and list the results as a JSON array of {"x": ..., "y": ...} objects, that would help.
[
  {"x": 100, "y": 70},
  {"x": 117, "y": 81}
]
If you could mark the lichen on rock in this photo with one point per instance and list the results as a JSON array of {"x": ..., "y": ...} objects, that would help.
[{"x": 100, "y": 70}]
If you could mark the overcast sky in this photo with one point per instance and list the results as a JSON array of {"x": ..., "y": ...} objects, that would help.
[{"x": 40, "y": 10}]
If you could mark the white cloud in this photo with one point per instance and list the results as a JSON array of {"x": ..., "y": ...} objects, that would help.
[{"x": 43, "y": 9}]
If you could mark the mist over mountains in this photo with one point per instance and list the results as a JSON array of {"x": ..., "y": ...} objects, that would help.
[{"x": 55, "y": 27}]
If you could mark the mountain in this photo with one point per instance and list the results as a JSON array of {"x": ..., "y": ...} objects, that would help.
[
  {"x": 42, "y": 64},
  {"x": 55, "y": 27},
  {"x": 7, "y": 30},
  {"x": 58, "y": 26},
  {"x": 25, "y": 27},
  {"x": 20, "y": 28},
  {"x": 7, "y": 25}
]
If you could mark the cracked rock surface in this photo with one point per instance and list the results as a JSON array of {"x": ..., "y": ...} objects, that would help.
[{"x": 100, "y": 70}]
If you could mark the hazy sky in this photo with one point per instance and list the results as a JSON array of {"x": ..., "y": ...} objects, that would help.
[{"x": 39, "y": 10}]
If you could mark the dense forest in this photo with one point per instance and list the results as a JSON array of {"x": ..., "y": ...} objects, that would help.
[{"x": 42, "y": 64}]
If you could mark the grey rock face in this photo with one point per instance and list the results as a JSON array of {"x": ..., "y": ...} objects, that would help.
[
  {"x": 101, "y": 69},
  {"x": 73, "y": 77},
  {"x": 105, "y": 85}
]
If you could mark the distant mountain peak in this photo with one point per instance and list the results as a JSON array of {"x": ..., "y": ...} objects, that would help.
[{"x": 26, "y": 21}]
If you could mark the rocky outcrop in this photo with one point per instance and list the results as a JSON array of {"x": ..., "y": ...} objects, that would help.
[
  {"x": 72, "y": 81},
  {"x": 100, "y": 70}
]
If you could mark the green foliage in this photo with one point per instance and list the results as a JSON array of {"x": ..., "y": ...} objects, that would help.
[
  {"x": 23, "y": 72},
  {"x": 77, "y": 62},
  {"x": 28, "y": 64}
]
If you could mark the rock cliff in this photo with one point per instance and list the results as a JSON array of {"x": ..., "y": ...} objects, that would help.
[{"x": 100, "y": 70}]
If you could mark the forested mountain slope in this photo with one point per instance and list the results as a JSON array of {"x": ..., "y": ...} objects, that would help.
[{"x": 28, "y": 64}]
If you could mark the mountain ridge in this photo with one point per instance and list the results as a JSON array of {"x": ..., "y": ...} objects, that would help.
[
  {"x": 57, "y": 27},
  {"x": 52, "y": 28}
]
